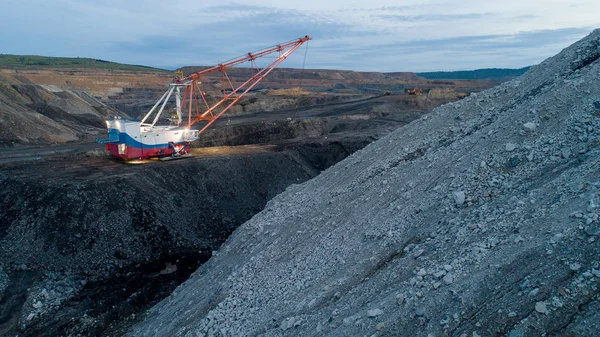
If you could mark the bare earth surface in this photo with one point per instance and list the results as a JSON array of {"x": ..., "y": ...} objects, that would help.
[
  {"x": 88, "y": 243},
  {"x": 480, "y": 219}
]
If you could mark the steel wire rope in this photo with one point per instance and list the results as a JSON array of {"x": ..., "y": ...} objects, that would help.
[{"x": 302, "y": 74}]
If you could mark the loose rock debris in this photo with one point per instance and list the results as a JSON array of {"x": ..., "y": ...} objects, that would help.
[{"x": 516, "y": 244}]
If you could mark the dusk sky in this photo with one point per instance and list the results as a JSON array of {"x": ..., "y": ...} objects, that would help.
[{"x": 373, "y": 35}]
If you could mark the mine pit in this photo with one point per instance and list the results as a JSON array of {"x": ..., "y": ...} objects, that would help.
[
  {"x": 109, "y": 306},
  {"x": 120, "y": 236},
  {"x": 90, "y": 243}
]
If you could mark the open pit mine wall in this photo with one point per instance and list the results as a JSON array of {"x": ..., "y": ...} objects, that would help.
[
  {"x": 46, "y": 114},
  {"x": 104, "y": 216},
  {"x": 479, "y": 219}
]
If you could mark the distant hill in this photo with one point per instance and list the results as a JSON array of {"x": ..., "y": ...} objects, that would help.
[
  {"x": 479, "y": 74},
  {"x": 34, "y": 61}
]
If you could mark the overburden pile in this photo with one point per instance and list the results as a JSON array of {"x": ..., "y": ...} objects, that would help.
[
  {"x": 33, "y": 114},
  {"x": 480, "y": 219}
]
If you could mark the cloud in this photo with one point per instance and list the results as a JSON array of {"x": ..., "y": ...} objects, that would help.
[
  {"x": 463, "y": 52},
  {"x": 480, "y": 43},
  {"x": 435, "y": 17},
  {"x": 378, "y": 35},
  {"x": 220, "y": 39}
]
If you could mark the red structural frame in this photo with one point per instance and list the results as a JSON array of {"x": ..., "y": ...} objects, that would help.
[{"x": 194, "y": 99}]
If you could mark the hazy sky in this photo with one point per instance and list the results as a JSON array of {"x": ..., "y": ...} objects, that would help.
[{"x": 374, "y": 35}]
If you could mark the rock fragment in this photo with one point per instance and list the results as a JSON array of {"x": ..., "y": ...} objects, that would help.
[
  {"x": 529, "y": 126},
  {"x": 534, "y": 292},
  {"x": 448, "y": 278},
  {"x": 374, "y": 312},
  {"x": 593, "y": 230},
  {"x": 530, "y": 156},
  {"x": 418, "y": 253},
  {"x": 575, "y": 266},
  {"x": 287, "y": 323},
  {"x": 348, "y": 321},
  {"x": 515, "y": 333},
  {"x": 400, "y": 298},
  {"x": 541, "y": 307},
  {"x": 459, "y": 197},
  {"x": 509, "y": 147}
]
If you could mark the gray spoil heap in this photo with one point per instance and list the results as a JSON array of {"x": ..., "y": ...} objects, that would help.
[{"x": 480, "y": 219}]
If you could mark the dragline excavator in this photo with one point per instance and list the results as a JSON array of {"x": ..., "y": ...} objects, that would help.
[{"x": 135, "y": 139}]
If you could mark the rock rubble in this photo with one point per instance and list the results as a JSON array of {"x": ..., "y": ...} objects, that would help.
[{"x": 479, "y": 220}]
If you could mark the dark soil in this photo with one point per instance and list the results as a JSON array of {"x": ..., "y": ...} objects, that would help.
[
  {"x": 73, "y": 211},
  {"x": 117, "y": 224},
  {"x": 108, "y": 307}
]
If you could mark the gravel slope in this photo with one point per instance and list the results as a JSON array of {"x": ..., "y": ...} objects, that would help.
[
  {"x": 480, "y": 219},
  {"x": 33, "y": 114}
]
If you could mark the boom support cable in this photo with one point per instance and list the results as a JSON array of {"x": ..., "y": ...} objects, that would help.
[{"x": 195, "y": 99}]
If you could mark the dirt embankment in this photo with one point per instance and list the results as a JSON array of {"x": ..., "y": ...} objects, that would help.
[
  {"x": 479, "y": 219},
  {"x": 34, "y": 114},
  {"x": 134, "y": 92},
  {"x": 77, "y": 225},
  {"x": 62, "y": 109}
]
